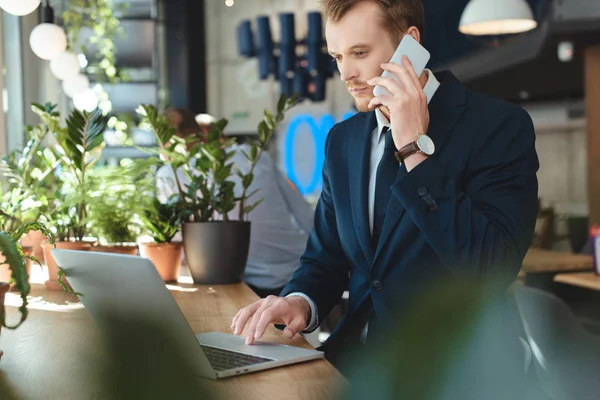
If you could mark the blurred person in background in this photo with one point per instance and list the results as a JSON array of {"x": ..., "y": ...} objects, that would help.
[
  {"x": 429, "y": 185},
  {"x": 280, "y": 224}
]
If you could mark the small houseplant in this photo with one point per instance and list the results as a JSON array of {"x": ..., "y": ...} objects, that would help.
[
  {"x": 216, "y": 245},
  {"x": 162, "y": 220},
  {"x": 79, "y": 145},
  {"x": 29, "y": 177},
  {"x": 117, "y": 202}
]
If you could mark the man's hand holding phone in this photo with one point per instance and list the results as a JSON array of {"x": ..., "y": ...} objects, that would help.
[{"x": 407, "y": 105}]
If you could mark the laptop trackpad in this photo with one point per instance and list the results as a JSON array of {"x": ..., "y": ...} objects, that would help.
[{"x": 262, "y": 349}]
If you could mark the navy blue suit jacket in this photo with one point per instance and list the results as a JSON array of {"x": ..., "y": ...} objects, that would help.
[{"x": 468, "y": 210}]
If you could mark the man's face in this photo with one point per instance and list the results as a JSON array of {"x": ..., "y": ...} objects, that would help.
[{"x": 359, "y": 43}]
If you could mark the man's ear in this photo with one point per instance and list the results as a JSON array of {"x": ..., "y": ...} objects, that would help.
[{"x": 414, "y": 32}]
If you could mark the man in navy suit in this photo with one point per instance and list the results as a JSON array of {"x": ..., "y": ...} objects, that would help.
[{"x": 433, "y": 183}]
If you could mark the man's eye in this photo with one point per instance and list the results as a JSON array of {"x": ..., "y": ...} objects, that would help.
[
  {"x": 360, "y": 53},
  {"x": 335, "y": 58}
]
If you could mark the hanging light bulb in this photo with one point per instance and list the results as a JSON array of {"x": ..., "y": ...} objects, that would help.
[
  {"x": 47, "y": 40},
  {"x": 19, "y": 7},
  {"x": 76, "y": 85},
  {"x": 65, "y": 65},
  {"x": 86, "y": 100}
]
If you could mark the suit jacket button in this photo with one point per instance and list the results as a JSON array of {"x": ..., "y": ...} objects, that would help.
[
  {"x": 376, "y": 285},
  {"x": 421, "y": 191}
]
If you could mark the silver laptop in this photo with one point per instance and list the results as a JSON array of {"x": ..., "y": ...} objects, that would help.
[{"x": 130, "y": 286}]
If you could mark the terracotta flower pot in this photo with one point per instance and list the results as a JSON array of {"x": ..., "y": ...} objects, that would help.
[
  {"x": 6, "y": 273},
  {"x": 129, "y": 250},
  {"x": 166, "y": 257},
  {"x": 3, "y": 289},
  {"x": 52, "y": 282},
  {"x": 34, "y": 239}
]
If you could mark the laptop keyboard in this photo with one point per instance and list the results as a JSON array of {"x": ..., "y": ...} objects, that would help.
[{"x": 222, "y": 360}]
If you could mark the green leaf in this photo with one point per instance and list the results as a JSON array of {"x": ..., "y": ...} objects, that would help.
[
  {"x": 263, "y": 132},
  {"x": 270, "y": 120},
  {"x": 16, "y": 263},
  {"x": 33, "y": 226},
  {"x": 251, "y": 207},
  {"x": 281, "y": 104},
  {"x": 253, "y": 153},
  {"x": 85, "y": 133},
  {"x": 66, "y": 287},
  {"x": 247, "y": 180}
]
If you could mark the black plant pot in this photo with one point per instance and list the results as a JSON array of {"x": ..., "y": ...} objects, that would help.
[{"x": 216, "y": 252}]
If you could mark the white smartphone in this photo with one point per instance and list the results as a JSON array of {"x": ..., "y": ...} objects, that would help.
[{"x": 417, "y": 54}]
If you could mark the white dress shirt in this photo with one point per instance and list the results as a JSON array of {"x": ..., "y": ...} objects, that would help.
[
  {"x": 377, "y": 148},
  {"x": 280, "y": 223}
]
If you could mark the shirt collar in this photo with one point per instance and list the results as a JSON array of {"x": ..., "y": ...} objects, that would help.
[{"x": 431, "y": 86}]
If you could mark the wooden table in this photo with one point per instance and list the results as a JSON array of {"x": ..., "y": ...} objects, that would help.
[
  {"x": 588, "y": 280},
  {"x": 539, "y": 260},
  {"x": 52, "y": 355}
]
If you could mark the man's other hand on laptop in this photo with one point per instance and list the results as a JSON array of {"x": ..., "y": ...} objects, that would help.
[{"x": 292, "y": 311}]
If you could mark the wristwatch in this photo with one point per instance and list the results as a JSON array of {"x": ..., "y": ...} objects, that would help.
[{"x": 423, "y": 145}]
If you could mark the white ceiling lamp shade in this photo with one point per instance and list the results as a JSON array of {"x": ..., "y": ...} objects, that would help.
[
  {"x": 47, "y": 41},
  {"x": 75, "y": 85},
  {"x": 494, "y": 17},
  {"x": 65, "y": 65},
  {"x": 19, "y": 7}
]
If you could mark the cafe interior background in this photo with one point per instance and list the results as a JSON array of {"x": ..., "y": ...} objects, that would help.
[{"x": 233, "y": 59}]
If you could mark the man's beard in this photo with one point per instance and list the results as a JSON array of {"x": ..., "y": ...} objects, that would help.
[{"x": 362, "y": 104}]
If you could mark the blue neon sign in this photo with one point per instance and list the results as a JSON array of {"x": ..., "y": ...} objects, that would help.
[{"x": 319, "y": 133}]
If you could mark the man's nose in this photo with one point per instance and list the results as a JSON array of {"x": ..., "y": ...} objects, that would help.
[{"x": 348, "y": 72}]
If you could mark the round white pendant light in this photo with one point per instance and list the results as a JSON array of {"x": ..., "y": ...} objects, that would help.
[
  {"x": 19, "y": 7},
  {"x": 493, "y": 17},
  {"x": 65, "y": 65},
  {"x": 47, "y": 41},
  {"x": 76, "y": 85},
  {"x": 86, "y": 100}
]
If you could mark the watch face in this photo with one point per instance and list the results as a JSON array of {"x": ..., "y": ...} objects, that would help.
[{"x": 426, "y": 144}]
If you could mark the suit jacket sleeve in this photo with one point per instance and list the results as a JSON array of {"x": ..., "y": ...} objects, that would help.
[
  {"x": 485, "y": 226},
  {"x": 323, "y": 271}
]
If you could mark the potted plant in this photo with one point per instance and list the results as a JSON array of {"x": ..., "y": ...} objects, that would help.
[
  {"x": 116, "y": 204},
  {"x": 29, "y": 177},
  {"x": 14, "y": 257},
  {"x": 163, "y": 221},
  {"x": 216, "y": 250},
  {"x": 79, "y": 145}
]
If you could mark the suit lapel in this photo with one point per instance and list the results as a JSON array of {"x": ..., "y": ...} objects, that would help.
[
  {"x": 360, "y": 158},
  {"x": 445, "y": 109}
]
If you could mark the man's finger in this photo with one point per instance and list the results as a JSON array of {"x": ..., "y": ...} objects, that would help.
[
  {"x": 266, "y": 319},
  {"x": 296, "y": 326},
  {"x": 411, "y": 70},
  {"x": 384, "y": 99},
  {"x": 245, "y": 314},
  {"x": 255, "y": 318},
  {"x": 237, "y": 315},
  {"x": 408, "y": 85},
  {"x": 390, "y": 84}
]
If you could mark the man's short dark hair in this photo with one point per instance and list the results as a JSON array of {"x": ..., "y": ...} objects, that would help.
[{"x": 397, "y": 15}]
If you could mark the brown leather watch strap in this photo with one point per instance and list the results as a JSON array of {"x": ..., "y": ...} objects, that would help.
[{"x": 406, "y": 151}]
